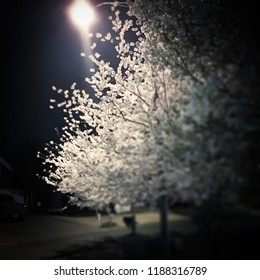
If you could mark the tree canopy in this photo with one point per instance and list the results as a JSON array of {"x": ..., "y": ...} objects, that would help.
[{"x": 177, "y": 115}]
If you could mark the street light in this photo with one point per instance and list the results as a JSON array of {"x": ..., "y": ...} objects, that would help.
[{"x": 82, "y": 14}]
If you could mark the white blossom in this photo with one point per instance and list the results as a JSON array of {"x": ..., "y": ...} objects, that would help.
[{"x": 166, "y": 120}]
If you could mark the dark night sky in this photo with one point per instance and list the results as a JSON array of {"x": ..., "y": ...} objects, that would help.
[{"x": 40, "y": 48}]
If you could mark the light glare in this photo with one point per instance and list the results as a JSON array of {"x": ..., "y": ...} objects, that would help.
[{"x": 82, "y": 14}]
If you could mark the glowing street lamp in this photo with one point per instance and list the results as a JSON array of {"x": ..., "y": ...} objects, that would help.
[{"x": 82, "y": 14}]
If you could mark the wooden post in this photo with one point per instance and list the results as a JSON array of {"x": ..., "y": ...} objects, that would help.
[
  {"x": 133, "y": 224},
  {"x": 165, "y": 234}
]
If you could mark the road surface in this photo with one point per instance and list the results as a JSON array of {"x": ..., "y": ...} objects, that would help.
[{"x": 40, "y": 236}]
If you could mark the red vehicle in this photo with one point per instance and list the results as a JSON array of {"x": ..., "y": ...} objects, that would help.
[{"x": 10, "y": 209}]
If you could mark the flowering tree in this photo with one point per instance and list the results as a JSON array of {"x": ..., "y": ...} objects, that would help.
[
  {"x": 168, "y": 119},
  {"x": 112, "y": 161},
  {"x": 212, "y": 46}
]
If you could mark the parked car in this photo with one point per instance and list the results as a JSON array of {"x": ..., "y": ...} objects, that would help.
[{"x": 10, "y": 209}]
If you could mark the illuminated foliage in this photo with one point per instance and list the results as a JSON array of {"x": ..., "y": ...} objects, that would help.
[{"x": 171, "y": 118}]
